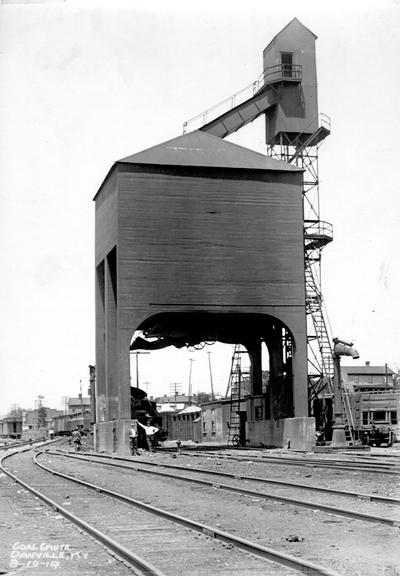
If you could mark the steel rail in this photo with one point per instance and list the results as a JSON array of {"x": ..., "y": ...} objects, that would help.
[
  {"x": 310, "y": 487},
  {"x": 354, "y": 515},
  {"x": 294, "y": 462},
  {"x": 303, "y": 566},
  {"x": 216, "y": 452},
  {"x": 123, "y": 553}
]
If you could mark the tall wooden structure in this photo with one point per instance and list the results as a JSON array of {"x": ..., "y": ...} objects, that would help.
[{"x": 199, "y": 240}]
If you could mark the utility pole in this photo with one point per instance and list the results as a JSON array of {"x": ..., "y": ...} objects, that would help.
[
  {"x": 211, "y": 378},
  {"x": 175, "y": 388},
  {"x": 64, "y": 403},
  {"x": 190, "y": 382},
  {"x": 92, "y": 392},
  {"x": 136, "y": 353},
  {"x": 80, "y": 396}
]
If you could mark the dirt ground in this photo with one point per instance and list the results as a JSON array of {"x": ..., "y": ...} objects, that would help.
[{"x": 351, "y": 547}]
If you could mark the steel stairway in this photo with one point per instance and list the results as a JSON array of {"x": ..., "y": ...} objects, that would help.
[{"x": 318, "y": 334}]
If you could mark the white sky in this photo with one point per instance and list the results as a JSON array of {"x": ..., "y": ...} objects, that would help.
[{"x": 86, "y": 83}]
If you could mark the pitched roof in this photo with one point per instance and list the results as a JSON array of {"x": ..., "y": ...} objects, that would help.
[
  {"x": 293, "y": 22},
  {"x": 77, "y": 401},
  {"x": 201, "y": 149},
  {"x": 190, "y": 410},
  {"x": 365, "y": 370}
]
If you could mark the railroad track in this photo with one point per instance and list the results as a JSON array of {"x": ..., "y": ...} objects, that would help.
[
  {"x": 12, "y": 445},
  {"x": 349, "y": 533},
  {"x": 178, "y": 529},
  {"x": 157, "y": 469},
  {"x": 374, "y": 468}
]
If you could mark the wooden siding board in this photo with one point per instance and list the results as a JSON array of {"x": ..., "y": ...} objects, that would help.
[
  {"x": 106, "y": 219},
  {"x": 195, "y": 239}
]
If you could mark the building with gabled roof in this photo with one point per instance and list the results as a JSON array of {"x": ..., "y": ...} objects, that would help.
[
  {"x": 198, "y": 239},
  {"x": 367, "y": 378}
]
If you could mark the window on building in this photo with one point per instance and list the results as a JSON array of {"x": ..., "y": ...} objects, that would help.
[
  {"x": 379, "y": 416},
  {"x": 393, "y": 417},
  {"x": 204, "y": 429},
  {"x": 365, "y": 417},
  {"x": 212, "y": 428},
  {"x": 258, "y": 412},
  {"x": 287, "y": 64}
]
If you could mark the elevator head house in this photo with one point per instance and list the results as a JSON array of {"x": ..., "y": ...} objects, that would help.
[{"x": 199, "y": 239}]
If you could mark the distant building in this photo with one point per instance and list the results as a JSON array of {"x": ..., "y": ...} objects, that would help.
[
  {"x": 215, "y": 420},
  {"x": 185, "y": 425},
  {"x": 31, "y": 418},
  {"x": 172, "y": 403},
  {"x": 367, "y": 378},
  {"x": 75, "y": 405}
]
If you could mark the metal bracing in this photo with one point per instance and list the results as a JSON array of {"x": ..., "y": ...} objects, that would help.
[
  {"x": 234, "y": 390},
  {"x": 302, "y": 150}
]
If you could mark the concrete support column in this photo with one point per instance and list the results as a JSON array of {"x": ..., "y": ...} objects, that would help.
[
  {"x": 276, "y": 379},
  {"x": 111, "y": 343},
  {"x": 124, "y": 375},
  {"x": 300, "y": 378},
  {"x": 254, "y": 350},
  {"x": 100, "y": 382}
]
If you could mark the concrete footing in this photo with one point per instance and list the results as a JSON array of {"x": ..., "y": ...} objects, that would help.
[
  {"x": 299, "y": 433},
  {"x": 338, "y": 437},
  {"x": 112, "y": 437}
]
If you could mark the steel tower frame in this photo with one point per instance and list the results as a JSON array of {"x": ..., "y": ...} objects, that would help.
[{"x": 302, "y": 150}]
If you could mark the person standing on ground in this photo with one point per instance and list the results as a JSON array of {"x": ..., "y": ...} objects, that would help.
[
  {"x": 151, "y": 432},
  {"x": 133, "y": 435},
  {"x": 76, "y": 438}
]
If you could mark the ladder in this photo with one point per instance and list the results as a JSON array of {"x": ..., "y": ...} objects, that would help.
[
  {"x": 234, "y": 388},
  {"x": 318, "y": 335},
  {"x": 348, "y": 419}
]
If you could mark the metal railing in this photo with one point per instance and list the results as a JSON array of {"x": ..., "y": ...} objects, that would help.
[
  {"x": 324, "y": 121},
  {"x": 281, "y": 72},
  {"x": 272, "y": 74},
  {"x": 317, "y": 229}
]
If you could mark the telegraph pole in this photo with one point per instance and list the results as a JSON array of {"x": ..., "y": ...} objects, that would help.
[
  {"x": 175, "y": 389},
  {"x": 211, "y": 378},
  {"x": 80, "y": 396},
  {"x": 136, "y": 353},
  {"x": 190, "y": 382}
]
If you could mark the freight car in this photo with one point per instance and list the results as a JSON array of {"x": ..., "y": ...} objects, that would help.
[
  {"x": 64, "y": 424},
  {"x": 371, "y": 417},
  {"x": 375, "y": 416},
  {"x": 11, "y": 427}
]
